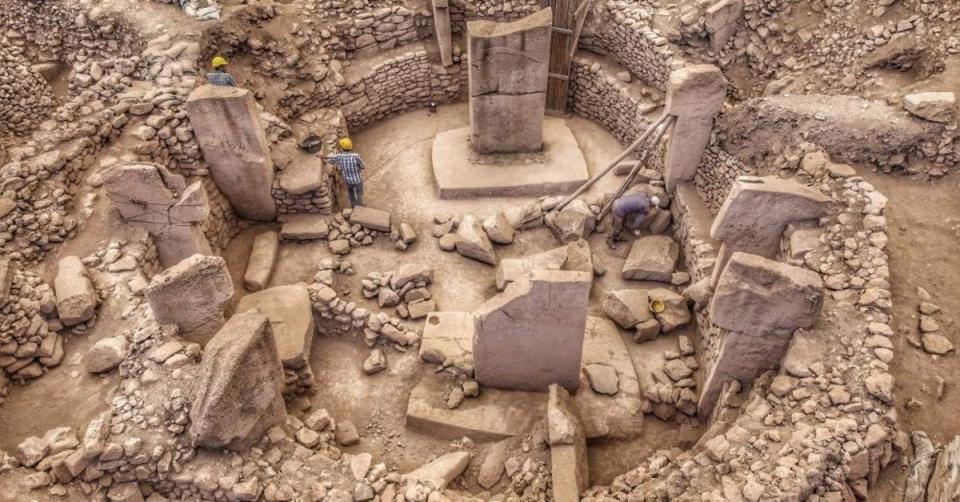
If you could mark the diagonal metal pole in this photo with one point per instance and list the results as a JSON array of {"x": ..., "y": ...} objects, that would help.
[
  {"x": 636, "y": 169},
  {"x": 596, "y": 177}
]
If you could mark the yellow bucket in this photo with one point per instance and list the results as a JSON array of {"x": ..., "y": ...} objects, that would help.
[{"x": 657, "y": 306}]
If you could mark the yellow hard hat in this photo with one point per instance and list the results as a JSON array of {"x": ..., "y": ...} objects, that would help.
[
  {"x": 346, "y": 144},
  {"x": 218, "y": 61}
]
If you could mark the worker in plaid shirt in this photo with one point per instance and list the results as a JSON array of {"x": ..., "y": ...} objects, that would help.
[
  {"x": 351, "y": 165},
  {"x": 219, "y": 75}
]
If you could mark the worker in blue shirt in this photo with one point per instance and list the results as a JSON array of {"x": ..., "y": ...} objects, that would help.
[{"x": 639, "y": 205}]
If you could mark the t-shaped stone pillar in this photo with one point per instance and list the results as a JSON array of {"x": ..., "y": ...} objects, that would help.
[
  {"x": 761, "y": 302},
  {"x": 151, "y": 197},
  {"x": 695, "y": 95},
  {"x": 508, "y": 82},
  {"x": 757, "y": 211},
  {"x": 234, "y": 144}
]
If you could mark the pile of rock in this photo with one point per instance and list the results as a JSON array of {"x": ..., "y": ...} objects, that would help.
[
  {"x": 330, "y": 266},
  {"x": 348, "y": 316},
  {"x": 406, "y": 289},
  {"x": 348, "y": 229},
  {"x": 930, "y": 338},
  {"x": 649, "y": 312},
  {"x": 29, "y": 342},
  {"x": 677, "y": 392}
]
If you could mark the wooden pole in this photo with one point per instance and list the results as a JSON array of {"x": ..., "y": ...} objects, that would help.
[
  {"x": 633, "y": 174},
  {"x": 596, "y": 177}
]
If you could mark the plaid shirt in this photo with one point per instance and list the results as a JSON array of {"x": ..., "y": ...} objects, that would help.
[
  {"x": 350, "y": 166},
  {"x": 221, "y": 78}
]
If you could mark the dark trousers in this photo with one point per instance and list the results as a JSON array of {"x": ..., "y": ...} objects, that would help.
[{"x": 355, "y": 193}]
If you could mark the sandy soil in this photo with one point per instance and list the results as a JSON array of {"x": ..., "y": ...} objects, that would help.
[{"x": 924, "y": 232}]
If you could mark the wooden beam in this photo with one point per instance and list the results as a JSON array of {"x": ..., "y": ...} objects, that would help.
[
  {"x": 582, "y": 12},
  {"x": 558, "y": 76},
  {"x": 562, "y": 31}
]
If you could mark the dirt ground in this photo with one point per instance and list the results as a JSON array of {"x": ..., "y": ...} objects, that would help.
[
  {"x": 924, "y": 231},
  {"x": 397, "y": 153}
]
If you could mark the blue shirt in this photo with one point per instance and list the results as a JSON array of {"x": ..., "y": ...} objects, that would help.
[
  {"x": 221, "y": 78},
  {"x": 350, "y": 166},
  {"x": 638, "y": 203}
]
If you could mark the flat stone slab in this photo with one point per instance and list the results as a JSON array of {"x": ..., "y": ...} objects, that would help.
[
  {"x": 461, "y": 172},
  {"x": 263, "y": 259},
  {"x": 448, "y": 336},
  {"x": 291, "y": 317},
  {"x": 651, "y": 258},
  {"x": 304, "y": 227},
  {"x": 495, "y": 414},
  {"x": 621, "y": 414},
  {"x": 370, "y": 218},
  {"x": 302, "y": 176}
]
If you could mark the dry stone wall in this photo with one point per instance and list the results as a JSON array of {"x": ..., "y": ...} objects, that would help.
[
  {"x": 403, "y": 82},
  {"x": 57, "y": 32},
  {"x": 623, "y": 31},
  {"x": 25, "y": 97}
]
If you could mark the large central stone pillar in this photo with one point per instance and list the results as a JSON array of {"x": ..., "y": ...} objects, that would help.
[
  {"x": 234, "y": 144},
  {"x": 508, "y": 83}
]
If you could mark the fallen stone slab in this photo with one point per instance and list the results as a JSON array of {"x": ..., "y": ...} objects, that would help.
[
  {"x": 77, "y": 299},
  {"x": 651, "y": 258},
  {"x": 440, "y": 472},
  {"x": 370, "y": 218},
  {"x": 411, "y": 272},
  {"x": 420, "y": 308},
  {"x": 263, "y": 259},
  {"x": 291, "y": 320},
  {"x": 472, "y": 241},
  {"x": 106, "y": 354},
  {"x": 531, "y": 335},
  {"x": 575, "y": 221},
  {"x": 628, "y": 307},
  {"x": 305, "y": 227},
  {"x": 498, "y": 228},
  {"x": 239, "y": 391},
  {"x": 494, "y": 415},
  {"x": 191, "y": 294},
  {"x": 448, "y": 340},
  {"x": 758, "y": 295},
  {"x": 612, "y": 414},
  {"x": 932, "y": 106}
]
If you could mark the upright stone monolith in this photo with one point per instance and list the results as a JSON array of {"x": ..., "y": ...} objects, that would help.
[
  {"x": 151, "y": 197},
  {"x": 235, "y": 146},
  {"x": 531, "y": 335},
  {"x": 695, "y": 95},
  {"x": 508, "y": 82}
]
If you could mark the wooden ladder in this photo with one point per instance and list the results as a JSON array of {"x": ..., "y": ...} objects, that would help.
[{"x": 568, "y": 19}]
